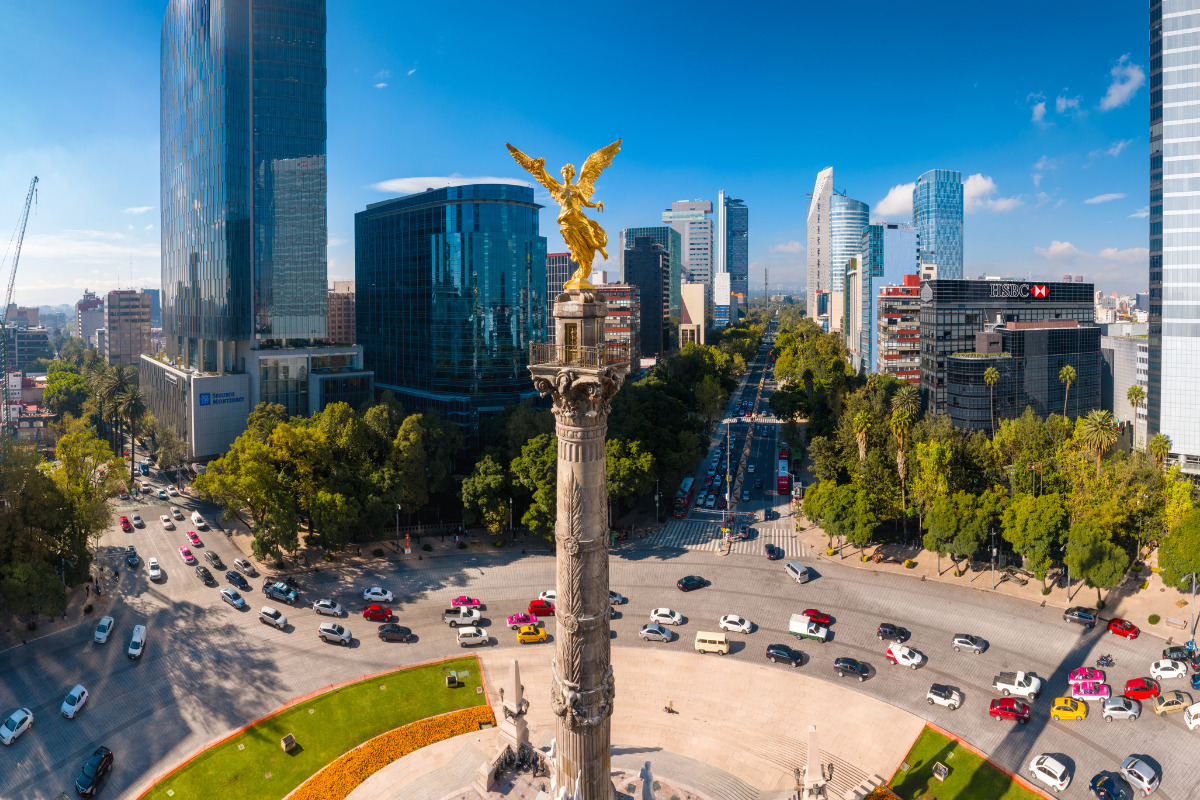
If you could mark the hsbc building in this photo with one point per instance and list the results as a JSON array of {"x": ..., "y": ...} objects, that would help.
[{"x": 953, "y": 311}]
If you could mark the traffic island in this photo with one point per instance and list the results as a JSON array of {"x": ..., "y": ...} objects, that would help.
[{"x": 944, "y": 767}]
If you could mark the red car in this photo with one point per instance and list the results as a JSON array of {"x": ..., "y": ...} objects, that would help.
[
  {"x": 541, "y": 608},
  {"x": 1141, "y": 689},
  {"x": 816, "y": 616},
  {"x": 126, "y": 525},
  {"x": 1010, "y": 708},
  {"x": 377, "y": 613},
  {"x": 1123, "y": 627}
]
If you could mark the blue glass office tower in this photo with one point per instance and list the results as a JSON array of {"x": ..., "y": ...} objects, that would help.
[
  {"x": 847, "y": 220},
  {"x": 670, "y": 239},
  {"x": 242, "y": 177},
  {"x": 733, "y": 254},
  {"x": 450, "y": 290},
  {"x": 938, "y": 218}
]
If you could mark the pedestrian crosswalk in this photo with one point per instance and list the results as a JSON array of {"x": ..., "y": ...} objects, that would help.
[{"x": 705, "y": 535}]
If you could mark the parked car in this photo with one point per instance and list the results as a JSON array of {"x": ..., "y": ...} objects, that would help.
[
  {"x": 1009, "y": 708},
  {"x": 272, "y": 617},
  {"x": 1120, "y": 707},
  {"x": 377, "y": 613},
  {"x": 944, "y": 696},
  {"x": 653, "y": 632},
  {"x": 75, "y": 700},
  {"x": 1171, "y": 702},
  {"x": 234, "y": 599},
  {"x": 103, "y": 629},
  {"x": 690, "y": 583},
  {"x": 137, "y": 642},
  {"x": 1141, "y": 689},
  {"x": 1105, "y": 788},
  {"x": 1080, "y": 616},
  {"x": 781, "y": 652},
  {"x": 153, "y": 569},
  {"x": 332, "y": 632},
  {"x": 377, "y": 594},
  {"x": 1141, "y": 776},
  {"x": 850, "y": 666},
  {"x": 1123, "y": 627},
  {"x": 531, "y": 634},
  {"x": 98, "y": 765},
  {"x": 327, "y": 608},
  {"x": 1049, "y": 770},
  {"x": 889, "y": 632},
  {"x": 17, "y": 723},
  {"x": 392, "y": 632},
  {"x": 1068, "y": 708},
  {"x": 1167, "y": 668}
]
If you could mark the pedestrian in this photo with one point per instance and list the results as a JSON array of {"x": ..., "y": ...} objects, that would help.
[
  {"x": 456, "y": 539},
  {"x": 442, "y": 536},
  {"x": 87, "y": 591}
]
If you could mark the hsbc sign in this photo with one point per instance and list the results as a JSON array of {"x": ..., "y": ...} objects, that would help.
[{"x": 1020, "y": 290}]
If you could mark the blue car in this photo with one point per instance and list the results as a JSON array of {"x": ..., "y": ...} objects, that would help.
[{"x": 1196, "y": 680}]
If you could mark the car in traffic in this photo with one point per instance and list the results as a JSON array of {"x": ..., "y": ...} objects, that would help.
[
  {"x": 211, "y": 557},
  {"x": 665, "y": 616},
  {"x": 232, "y": 597},
  {"x": 204, "y": 575},
  {"x": 281, "y": 591},
  {"x": 942, "y": 695},
  {"x": 758, "y": 484},
  {"x": 136, "y": 519},
  {"x": 818, "y": 617},
  {"x": 1049, "y": 770},
  {"x": 1009, "y": 708},
  {"x": 531, "y": 634},
  {"x": 750, "y": 468},
  {"x": 710, "y": 501},
  {"x": 1141, "y": 776},
  {"x": 1179, "y": 653},
  {"x": 788, "y": 655},
  {"x": 377, "y": 594},
  {"x": 126, "y": 525},
  {"x": 98, "y": 765},
  {"x": 332, "y": 632},
  {"x": 722, "y": 503},
  {"x": 549, "y": 596},
  {"x": 235, "y": 577},
  {"x": 186, "y": 555},
  {"x": 245, "y": 566},
  {"x": 327, "y": 607},
  {"x": 773, "y": 552},
  {"x": 745, "y": 495},
  {"x": 273, "y": 617},
  {"x": 1171, "y": 702},
  {"x": 653, "y": 632},
  {"x": 194, "y": 538},
  {"x": 1090, "y": 690},
  {"x": 153, "y": 569},
  {"x": 734, "y": 623},
  {"x": 541, "y": 608},
  {"x": 616, "y": 599},
  {"x": 171, "y": 490},
  {"x": 463, "y": 600},
  {"x": 1068, "y": 708},
  {"x": 391, "y": 632},
  {"x": 1120, "y": 707},
  {"x": 131, "y": 556},
  {"x": 690, "y": 583},
  {"x": 903, "y": 656},
  {"x": 15, "y": 724},
  {"x": 1085, "y": 674},
  {"x": 1123, "y": 627},
  {"x": 1080, "y": 616},
  {"x": 137, "y": 642},
  {"x": 889, "y": 632},
  {"x": 75, "y": 700},
  {"x": 1167, "y": 669},
  {"x": 1141, "y": 689},
  {"x": 1103, "y": 787},
  {"x": 166, "y": 523},
  {"x": 103, "y": 629},
  {"x": 176, "y": 513},
  {"x": 850, "y": 666},
  {"x": 161, "y": 493},
  {"x": 516, "y": 621},
  {"x": 472, "y": 636},
  {"x": 377, "y": 613}
]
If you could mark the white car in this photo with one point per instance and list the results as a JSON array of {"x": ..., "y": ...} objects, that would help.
[
  {"x": 176, "y": 513},
  {"x": 103, "y": 629},
  {"x": 548, "y": 596},
  {"x": 377, "y": 595},
  {"x": 1141, "y": 776},
  {"x": 232, "y": 597},
  {"x": 327, "y": 608},
  {"x": 750, "y": 468},
  {"x": 166, "y": 522},
  {"x": 137, "y": 642},
  {"x": 904, "y": 656},
  {"x": 471, "y": 635},
  {"x": 171, "y": 490},
  {"x": 665, "y": 616},
  {"x": 75, "y": 700},
  {"x": 154, "y": 570},
  {"x": 1167, "y": 668},
  {"x": 942, "y": 695},
  {"x": 732, "y": 622},
  {"x": 270, "y": 616},
  {"x": 1049, "y": 770},
  {"x": 137, "y": 521},
  {"x": 332, "y": 632},
  {"x": 654, "y": 633},
  {"x": 17, "y": 723}
]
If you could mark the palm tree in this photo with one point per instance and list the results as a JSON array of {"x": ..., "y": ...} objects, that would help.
[
  {"x": 873, "y": 381},
  {"x": 1136, "y": 396},
  {"x": 908, "y": 397},
  {"x": 1160, "y": 448},
  {"x": 131, "y": 406},
  {"x": 117, "y": 381},
  {"x": 94, "y": 375},
  {"x": 862, "y": 426},
  {"x": 807, "y": 377},
  {"x": 1066, "y": 375},
  {"x": 990, "y": 376},
  {"x": 900, "y": 425},
  {"x": 1097, "y": 432}
]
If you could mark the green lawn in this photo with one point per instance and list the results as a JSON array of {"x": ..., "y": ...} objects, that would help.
[
  {"x": 252, "y": 765},
  {"x": 970, "y": 777}
]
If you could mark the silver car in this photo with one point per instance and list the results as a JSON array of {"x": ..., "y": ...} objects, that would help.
[
  {"x": 653, "y": 632},
  {"x": 1141, "y": 776},
  {"x": 965, "y": 641},
  {"x": 1120, "y": 707},
  {"x": 330, "y": 632},
  {"x": 328, "y": 608}
]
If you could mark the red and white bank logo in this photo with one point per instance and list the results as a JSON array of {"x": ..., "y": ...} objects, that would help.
[{"x": 1039, "y": 290}]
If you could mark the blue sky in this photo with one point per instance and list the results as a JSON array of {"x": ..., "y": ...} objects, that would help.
[{"x": 1046, "y": 103}]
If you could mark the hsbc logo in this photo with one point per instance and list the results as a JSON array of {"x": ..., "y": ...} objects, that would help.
[
  {"x": 1020, "y": 290},
  {"x": 1039, "y": 290}
]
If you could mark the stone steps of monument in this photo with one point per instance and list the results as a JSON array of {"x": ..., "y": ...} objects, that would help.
[
  {"x": 791, "y": 753},
  {"x": 448, "y": 780},
  {"x": 716, "y": 784},
  {"x": 863, "y": 789}
]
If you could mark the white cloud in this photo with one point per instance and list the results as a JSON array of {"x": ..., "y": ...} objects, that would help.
[
  {"x": 1042, "y": 199},
  {"x": 1127, "y": 78},
  {"x": 788, "y": 247},
  {"x": 1062, "y": 104},
  {"x": 148, "y": 228},
  {"x": 896, "y": 203},
  {"x": 1107, "y": 267},
  {"x": 87, "y": 247},
  {"x": 381, "y": 86},
  {"x": 1041, "y": 167},
  {"x": 413, "y": 185},
  {"x": 1104, "y": 198},
  {"x": 383, "y": 74},
  {"x": 1144, "y": 211},
  {"x": 411, "y": 71},
  {"x": 337, "y": 242},
  {"x": 1039, "y": 111},
  {"x": 137, "y": 210},
  {"x": 130, "y": 227},
  {"x": 1117, "y": 147},
  {"x": 78, "y": 234},
  {"x": 978, "y": 195}
]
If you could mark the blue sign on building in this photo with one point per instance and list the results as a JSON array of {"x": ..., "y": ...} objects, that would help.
[{"x": 205, "y": 399}]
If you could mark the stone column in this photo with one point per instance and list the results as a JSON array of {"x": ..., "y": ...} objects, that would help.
[{"x": 582, "y": 376}]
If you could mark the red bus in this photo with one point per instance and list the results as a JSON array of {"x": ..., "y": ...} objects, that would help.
[
  {"x": 784, "y": 484},
  {"x": 684, "y": 498},
  {"x": 784, "y": 453}
]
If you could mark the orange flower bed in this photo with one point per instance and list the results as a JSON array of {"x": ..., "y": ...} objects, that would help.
[{"x": 339, "y": 778}]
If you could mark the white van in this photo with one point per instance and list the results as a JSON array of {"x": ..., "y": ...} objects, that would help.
[
  {"x": 796, "y": 571},
  {"x": 137, "y": 642},
  {"x": 1191, "y": 716},
  {"x": 707, "y": 642},
  {"x": 198, "y": 521}
]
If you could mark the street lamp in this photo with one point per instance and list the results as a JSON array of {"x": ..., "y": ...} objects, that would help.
[
  {"x": 657, "y": 519},
  {"x": 1185, "y": 579},
  {"x": 397, "y": 527},
  {"x": 993, "y": 559}
]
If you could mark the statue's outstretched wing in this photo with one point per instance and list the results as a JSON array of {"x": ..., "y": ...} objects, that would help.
[
  {"x": 594, "y": 165},
  {"x": 535, "y": 167}
]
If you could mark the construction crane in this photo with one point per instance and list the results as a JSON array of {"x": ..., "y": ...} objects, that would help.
[{"x": 19, "y": 236}]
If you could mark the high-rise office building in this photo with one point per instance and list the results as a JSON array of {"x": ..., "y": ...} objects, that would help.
[
  {"x": 888, "y": 256},
  {"x": 938, "y": 218},
  {"x": 127, "y": 324},
  {"x": 724, "y": 303},
  {"x": 623, "y": 323},
  {"x": 1172, "y": 402},
  {"x": 559, "y": 268},
  {"x": 847, "y": 220},
  {"x": 89, "y": 316},
  {"x": 155, "y": 307},
  {"x": 341, "y": 313},
  {"x": 647, "y": 266},
  {"x": 733, "y": 249},
  {"x": 818, "y": 249},
  {"x": 898, "y": 330},
  {"x": 690, "y": 218},
  {"x": 243, "y": 197},
  {"x": 691, "y": 313},
  {"x": 450, "y": 290},
  {"x": 672, "y": 241}
]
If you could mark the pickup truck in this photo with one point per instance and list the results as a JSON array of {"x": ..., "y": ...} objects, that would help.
[
  {"x": 1020, "y": 683},
  {"x": 460, "y": 615},
  {"x": 281, "y": 592},
  {"x": 802, "y": 627}
]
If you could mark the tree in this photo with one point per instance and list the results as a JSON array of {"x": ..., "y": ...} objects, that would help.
[
  {"x": 1066, "y": 375},
  {"x": 131, "y": 407},
  {"x": 1178, "y": 498},
  {"x": 87, "y": 476},
  {"x": 536, "y": 469},
  {"x": 959, "y": 525},
  {"x": 117, "y": 380},
  {"x": 990, "y": 376},
  {"x": 807, "y": 378},
  {"x": 170, "y": 451},
  {"x": 1097, "y": 432},
  {"x": 907, "y": 397},
  {"x": 1036, "y": 528},
  {"x": 840, "y": 518},
  {"x": 816, "y": 500},
  {"x": 334, "y": 517},
  {"x": 32, "y": 589},
  {"x": 901, "y": 422},
  {"x": 710, "y": 398},
  {"x": 1160, "y": 448},
  {"x": 485, "y": 495},
  {"x": 862, "y": 427},
  {"x": 1179, "y": 555},
  {"x": 629, "y": 468},
  {"x": 1093, "y": 556},
  {"x": 864, "y": 520},
  {"x": 1136, "y": 396},
  {"x": 930, "y": 481},
  {"x": 66, "y": 392}
]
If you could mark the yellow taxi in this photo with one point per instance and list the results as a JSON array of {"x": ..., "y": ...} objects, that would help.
[
  {"x": 531, "y": 634},
  {"x": 1068, "y": 708}
]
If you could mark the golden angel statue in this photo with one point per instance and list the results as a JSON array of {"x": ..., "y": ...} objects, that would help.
[{"x": 583, "y": 236}]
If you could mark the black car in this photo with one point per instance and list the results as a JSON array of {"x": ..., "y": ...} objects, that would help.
[
  {"x": 1178, "y": 653},
  {"x": 781, "y": 652},
  {"x": 758, "y": 483},
  {"x": 1080, "y": 616},
  {"x": 391, "y": 632},
  {"x": 131, "y": 556},
  {"x": 691, "y": 583},
  {"x": 94, "y": 769},
  {"x": 889, "y": 632},
  {"x": 1105, "y": 788},
  {"x": 773, "y": 553},
  {"x": 203, "y": 574},
  {"x": 214, "y": 559},
  {"x": 850, "y": 666},
  {"x": 745, "y": 495},
  {"x": 235, "y": 577}
]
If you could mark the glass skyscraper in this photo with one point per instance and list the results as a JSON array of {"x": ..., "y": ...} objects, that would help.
[
  {"x": 670, "y": 239},
  {"x": 243, "y": 183},
  {"x": 733, "y": 254},
  {"x": 938, "y": 218},
  {"x": 847, "y": 220},
  {"x": 450, "y": 290},
  {"x": 1173, "y": 399}
]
